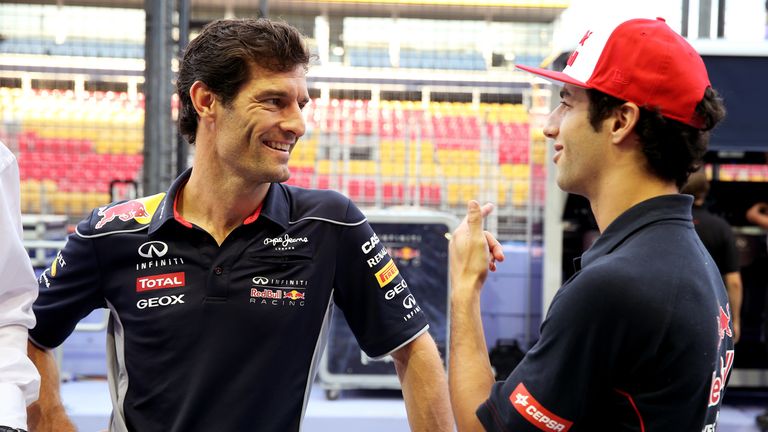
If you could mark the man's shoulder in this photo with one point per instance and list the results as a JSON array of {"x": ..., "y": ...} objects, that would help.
[
  {"x": 321, "y": 205},
  {"x": 120, "y": 216}
]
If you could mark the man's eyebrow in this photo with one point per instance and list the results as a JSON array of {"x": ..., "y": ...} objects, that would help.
[
  {"x": 270, "y": 93},
  {"x": 275, "y": 93}
]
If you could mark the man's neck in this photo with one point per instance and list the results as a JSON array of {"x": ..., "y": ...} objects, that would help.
[
  {"x": 622, "y": 192},
  {"x": 219, "y": 204}
]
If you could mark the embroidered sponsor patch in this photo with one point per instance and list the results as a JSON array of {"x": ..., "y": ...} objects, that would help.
[
  {"x": 534, "y": 413},
  {"x": 387, "y": 274}
]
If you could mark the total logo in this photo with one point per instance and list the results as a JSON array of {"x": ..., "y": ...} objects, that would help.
[
  {"x": 161, "y": 281},
  {"x": 285, "y": 242},
  {"x": 153, "y": 302}
]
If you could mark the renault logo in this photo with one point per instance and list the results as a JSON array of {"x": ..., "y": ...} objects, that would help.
[{"x": 153, "y": 249}]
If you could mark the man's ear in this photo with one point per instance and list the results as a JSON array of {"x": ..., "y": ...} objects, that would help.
[
  {"x": 203, "y": 99},
  {"x": 623, "y": 121}
]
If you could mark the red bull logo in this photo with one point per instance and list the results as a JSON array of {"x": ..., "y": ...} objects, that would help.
[
  {"x": 266, "y": 293},
  {"x": 124, "y": 211},
  {"x": 294, "y": 295},
  {"x": 405, "y": 253}
]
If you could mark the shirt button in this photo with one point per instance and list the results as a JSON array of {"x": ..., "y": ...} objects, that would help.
[{"x": 218, "y": 271}]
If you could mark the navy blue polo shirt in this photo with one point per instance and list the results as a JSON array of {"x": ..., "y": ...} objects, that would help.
[
  {"x": 639, "y": 339},
  {"x": 205, "y": 337}
]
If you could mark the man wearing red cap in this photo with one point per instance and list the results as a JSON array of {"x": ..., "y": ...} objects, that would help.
[{"x": 640, "y": 338}]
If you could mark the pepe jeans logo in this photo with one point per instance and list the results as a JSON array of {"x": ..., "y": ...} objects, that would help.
[{"x": 285, "y": 242}]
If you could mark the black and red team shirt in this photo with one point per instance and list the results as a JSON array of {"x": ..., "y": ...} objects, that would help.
[
  {"x": 205, "y": 337},
  {"x": 639, "y": 339}
]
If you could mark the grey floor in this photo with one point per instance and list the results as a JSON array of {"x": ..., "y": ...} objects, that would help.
[{"x": 87, "y": 402}]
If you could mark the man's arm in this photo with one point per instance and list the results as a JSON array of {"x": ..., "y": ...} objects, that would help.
[
  {"x": 472, "y": 253},
  {"x": 19, "y": 380},
  {"x": 733, "y": 284},
  {"x": 425, "y": 388},
  {"x": 47, "y": 414},
  {"x": 758, "y": 214}
]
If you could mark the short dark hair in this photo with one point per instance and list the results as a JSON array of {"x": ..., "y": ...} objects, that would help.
[
  {"x": 673, "y": 149},
  {"x": 222, "y": 55}
]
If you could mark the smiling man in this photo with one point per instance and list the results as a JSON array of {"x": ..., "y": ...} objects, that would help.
[
  {"x": 640, "y": 338},
  {"x": 220, "y": 290}
]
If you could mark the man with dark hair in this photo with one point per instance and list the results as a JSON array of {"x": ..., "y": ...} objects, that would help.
[
  {"x": 717, "y": 235},
  {"x": 640, "y": 337},
  {"x": 221, "y": 289}
]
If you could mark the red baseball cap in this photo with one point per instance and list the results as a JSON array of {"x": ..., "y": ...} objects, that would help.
[{"x": 641, "y": 61}]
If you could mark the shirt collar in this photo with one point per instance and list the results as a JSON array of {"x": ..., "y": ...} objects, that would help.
[
  {"x": 665, "y": 207},
  {"x": 274, "y": 207}
]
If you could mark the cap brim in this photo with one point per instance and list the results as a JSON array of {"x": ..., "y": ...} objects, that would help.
[{"x": 551, "y": 75}]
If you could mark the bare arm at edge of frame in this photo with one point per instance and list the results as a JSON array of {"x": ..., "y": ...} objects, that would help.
[
  {"x": 425, "y": 387},
  {"x": 735, "y": 294},
  {"x": 47, "y": 414}
]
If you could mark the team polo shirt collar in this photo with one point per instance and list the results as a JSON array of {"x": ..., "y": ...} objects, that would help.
[
  {"x": 665, "y": 207},
  {"x": 275, "y": 206}
]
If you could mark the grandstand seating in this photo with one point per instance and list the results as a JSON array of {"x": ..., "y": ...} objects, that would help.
[
  {"x": 71, "y": 147},
  {"x": 72, "y": 47}
]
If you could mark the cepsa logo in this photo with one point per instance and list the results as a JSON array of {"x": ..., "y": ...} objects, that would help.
[
  {"x": 161, "y": 281},
  {"x": 537, "y": 415},
  {"x": 388, "y": 273},
  {"x": 368, "y": 246}
]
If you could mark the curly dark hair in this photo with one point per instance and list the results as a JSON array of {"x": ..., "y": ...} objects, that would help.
[
  {"x": 673, "y": 149},
  {"x": 222, "y": 55}
]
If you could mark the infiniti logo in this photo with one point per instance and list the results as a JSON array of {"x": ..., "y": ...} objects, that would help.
[
  {"x": 260, "y": 280},
  {"x": 153, "y": 249},
  {"x": 409, "y": 302}
]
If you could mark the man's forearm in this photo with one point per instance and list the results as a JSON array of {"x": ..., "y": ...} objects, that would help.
[
  {"x": 735, "y": 294},
  {"x": 425, "y": 388},
  {"x": 469, "y": 372},
  {"x": 47, "y": 414}
]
